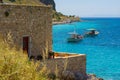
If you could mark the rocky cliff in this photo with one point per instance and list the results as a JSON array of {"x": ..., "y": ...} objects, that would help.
[
  {"x": 46, "y": 2},
  {"x": 49, "y": 2}
]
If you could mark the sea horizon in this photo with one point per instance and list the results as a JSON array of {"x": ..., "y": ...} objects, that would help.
[{"x": 99, "y": 17}]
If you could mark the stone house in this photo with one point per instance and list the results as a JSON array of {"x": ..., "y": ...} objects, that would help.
[{"x": 29, "y": 27}]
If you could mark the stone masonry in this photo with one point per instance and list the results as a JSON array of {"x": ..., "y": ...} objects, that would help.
[
  {"x": 34, "y": 22},
  {"x": 75, "y": 63}
]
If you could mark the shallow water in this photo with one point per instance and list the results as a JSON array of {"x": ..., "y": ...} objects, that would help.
[{"x": 103, "y": 51}]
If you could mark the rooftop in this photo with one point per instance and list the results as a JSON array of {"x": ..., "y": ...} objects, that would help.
[{"x": 24, "y": 3}]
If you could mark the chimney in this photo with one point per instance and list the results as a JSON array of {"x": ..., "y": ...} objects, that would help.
[{"x": 1, "y": 1}]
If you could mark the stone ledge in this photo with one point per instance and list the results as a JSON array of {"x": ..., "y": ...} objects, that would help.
[
  {"x": 71, "y": 62},
  {"x": 66, "y": 55}
]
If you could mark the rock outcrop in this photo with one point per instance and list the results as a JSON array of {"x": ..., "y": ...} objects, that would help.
[
  {"x": 68, "y": 75},
  {"x": 46, "y": 2},
  {"x": 49, "y": 2}
]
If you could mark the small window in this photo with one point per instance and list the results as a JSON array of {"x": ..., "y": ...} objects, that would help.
[{"x": 6, "y": 13}]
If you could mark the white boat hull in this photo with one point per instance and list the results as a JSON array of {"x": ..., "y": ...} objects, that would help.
[
  {"x": 73, "y": 40},
  {"x": 89, "y": 34}
]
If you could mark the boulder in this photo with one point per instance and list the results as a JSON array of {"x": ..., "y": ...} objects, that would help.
[
  {"x": 67, "y": 75},
  {"x": 80, "y": 76}
]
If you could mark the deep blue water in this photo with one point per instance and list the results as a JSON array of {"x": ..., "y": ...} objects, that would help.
[{"x": 103, "y": 51}]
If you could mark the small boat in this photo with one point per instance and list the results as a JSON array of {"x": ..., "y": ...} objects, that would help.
[
  {"x": 91, "y": 32},
  {"x": 75, "y": 37}
]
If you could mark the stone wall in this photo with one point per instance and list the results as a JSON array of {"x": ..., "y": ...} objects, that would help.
[
  {"x": 26, "y": 20},
  {"x": 73, "y": 63}
]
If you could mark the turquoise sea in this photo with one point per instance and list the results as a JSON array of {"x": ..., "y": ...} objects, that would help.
[{"x": 103, "y": 51}]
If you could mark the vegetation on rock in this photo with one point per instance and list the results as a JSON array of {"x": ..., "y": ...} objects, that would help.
[
  {"x": 59, "y": 17},
  {"x": 28, "y": 2}
]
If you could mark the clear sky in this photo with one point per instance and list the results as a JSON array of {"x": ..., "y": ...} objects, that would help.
[{"x": 89, "y": 8}]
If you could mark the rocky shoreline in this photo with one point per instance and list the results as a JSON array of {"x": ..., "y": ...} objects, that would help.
[
  {"x": 68, "y": 75},
  {"x": 64, "y": 22},
  {"x": 93, "y": 77}
]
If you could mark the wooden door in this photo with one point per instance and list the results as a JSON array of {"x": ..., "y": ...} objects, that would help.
[{"x": 26, "y": 44}]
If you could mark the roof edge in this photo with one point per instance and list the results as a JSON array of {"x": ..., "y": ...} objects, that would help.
[{"x": 34, "y": 5}]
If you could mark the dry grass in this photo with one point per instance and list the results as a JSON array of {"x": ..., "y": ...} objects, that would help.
[{"x": 14, "y": 65}]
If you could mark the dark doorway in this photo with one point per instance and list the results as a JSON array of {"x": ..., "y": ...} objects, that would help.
[
  {"x": 1, "y": 1},
  {"x": 26, "y": 44}
]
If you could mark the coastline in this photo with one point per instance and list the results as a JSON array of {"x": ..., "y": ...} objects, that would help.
[{"x": 65, "y": 22}]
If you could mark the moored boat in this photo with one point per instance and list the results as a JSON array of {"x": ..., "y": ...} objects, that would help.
[
  {"x": 91, "y": 32},
  {"x": 75, "y": 37}
]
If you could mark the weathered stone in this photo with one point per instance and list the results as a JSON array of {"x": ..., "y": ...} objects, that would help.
[
  {"x": 80, "y": 76},
  {"x": 100, "y": 79},
  {"x": 34, "y": 22},
  {"x": 67, "y": 75},
  {"x": 93, "y": 77},
  {"x": 73, "y": 63}
]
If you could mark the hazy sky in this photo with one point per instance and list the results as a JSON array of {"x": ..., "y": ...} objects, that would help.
[{"x": 89, "y": 8}]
